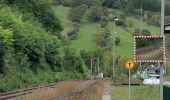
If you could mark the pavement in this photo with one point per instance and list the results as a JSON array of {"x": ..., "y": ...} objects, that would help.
[
  {"x": 106, "y": 91},
  {"x": 166, "y": 82}
]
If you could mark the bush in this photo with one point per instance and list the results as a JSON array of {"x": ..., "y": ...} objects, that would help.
[
  {"x": 72, "y": 32},
  {"x": 76, "y": 13},
  {"x": 144, "y": 32},
  {"x": 73, "y": 62},
  {"x": 101, "y": 42},
  {"x": 103, "y": 22},
  {"x": 120, "y": 22},
  {"x": 94, "y": 13},
  {"x": 117, "y": 40}
]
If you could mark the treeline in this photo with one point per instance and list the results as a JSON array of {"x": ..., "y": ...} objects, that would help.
[
  {"x": 96, "y": 9},
  {"x": 32, "y": 49},
  {"x": 148, "y": 5},
  {"x": 152, "y": 5}
]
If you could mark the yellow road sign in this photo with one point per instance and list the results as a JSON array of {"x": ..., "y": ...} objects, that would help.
[{"x": 129, "y": 64}]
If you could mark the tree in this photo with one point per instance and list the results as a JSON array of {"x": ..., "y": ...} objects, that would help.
[
  {"x": 120, "y": 22},
  {"x": 86, "y": 56},
  {"x": 130, "y": 7},
  {"x": 6, "y": 43},
  {"x": 76, "y": 13},
  {"x": 117, "y": 40},
  {"x": 108, "y": 3},
  {"x": 102, "y": 42},
  {"x": 42, "y": 11},
  {"x": 105, "y": 33},
  {"x": 2, "y": 52},
  {"x": 94, "y": 13},
  {"x": 129, "y": 23},
  {"x": 117, "y": 4},
  {"x": 75, "y": 3},
  {"x": 72, "y": 32},
  {"x": 111, "y": 17},
  {"x": 72, "y": 61},
  {"x": 54, "y": 54},
  {"x": 103, "y": 22}
]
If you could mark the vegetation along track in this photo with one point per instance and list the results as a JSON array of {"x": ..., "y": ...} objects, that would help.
[{"x": 74, "y": 94}]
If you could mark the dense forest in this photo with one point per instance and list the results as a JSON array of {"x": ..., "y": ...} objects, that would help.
[
  {"x": 31, "y": 47},
  {"x": 35, "y": 47}
]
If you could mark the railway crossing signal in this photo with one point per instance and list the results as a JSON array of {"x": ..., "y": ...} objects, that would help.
[{"x": 94, "y": 66}]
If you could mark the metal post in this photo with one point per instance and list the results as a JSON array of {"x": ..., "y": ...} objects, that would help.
[
  {"x": 162, "y": 34},
  {"x": 161, "y": 81},
  {"x": 129, "y": 85},
  {"x": 162, "y": 16},
  {"x": 98, "y": 65},
  {"x": 165, "y": 66}
]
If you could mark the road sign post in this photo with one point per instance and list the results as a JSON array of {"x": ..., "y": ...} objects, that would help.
[
  {"x": 129, "y": 84},
  {"x": 129, "y": 65}
]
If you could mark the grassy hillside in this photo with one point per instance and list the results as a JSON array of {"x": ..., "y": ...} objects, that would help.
[
  {"x": 86, "y": 35},
  {"x": 86, "y": 38},
  {"x": 138, "y": 24}
]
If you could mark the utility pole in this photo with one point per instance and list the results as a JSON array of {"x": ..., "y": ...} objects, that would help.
[
  {"x": 114, "y": 46},
  {"x": 162, "y": 34},
  {"x": 141, "y": 24}
]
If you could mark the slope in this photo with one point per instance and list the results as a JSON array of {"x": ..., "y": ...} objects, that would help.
[{"x": 86, "y": 38}]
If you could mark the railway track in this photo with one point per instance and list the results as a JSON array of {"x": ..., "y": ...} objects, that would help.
[
  {"x": 14, "y": 94},
  {"x": 154, "y": 55},
  {"x": 89, "y": 85},
  {"x": 147, "y": 49},
  {"x": 75, "y": 92}
]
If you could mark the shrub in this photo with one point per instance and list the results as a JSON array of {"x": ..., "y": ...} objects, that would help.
[
  {"x": 76, "y": 13},
  {"x": 101, "y": 42},
  {"x": 72, "y": 32},
  {"x": 120, "y": 22},
  {"x": 144, "y": 32},
  {"x": 117, "y": 40},
  {"x": 72, "y": 61},
  {"x": 103, "y": 22},
  {"x": 94, "y": 13}
]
